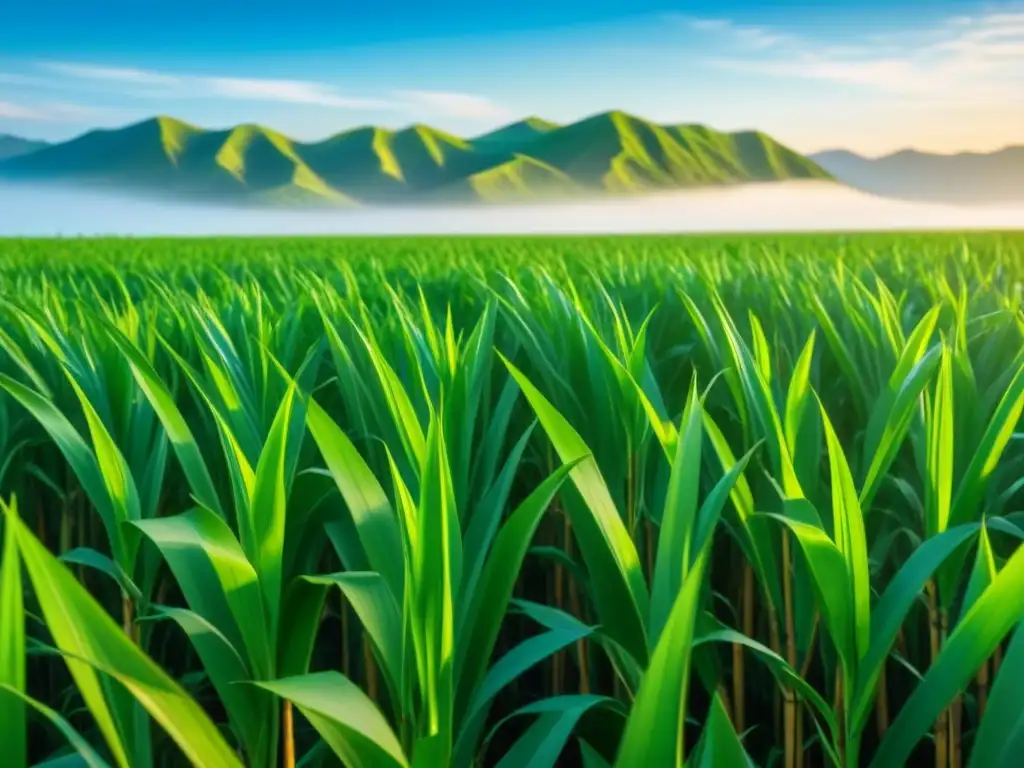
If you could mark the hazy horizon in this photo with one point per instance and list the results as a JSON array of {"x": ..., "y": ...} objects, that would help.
[{"x": 44, "y": 211}]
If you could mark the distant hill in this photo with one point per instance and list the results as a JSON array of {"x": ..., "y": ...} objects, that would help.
[
  {"x": 609, "y": 153},
  {"x": 13, "y": 146},
  {"x": 516, "y": 135},
  {"x": 962, "y": 178}
]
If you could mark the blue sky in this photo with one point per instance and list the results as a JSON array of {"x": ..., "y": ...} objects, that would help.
[{"x": 871, "y": 76}]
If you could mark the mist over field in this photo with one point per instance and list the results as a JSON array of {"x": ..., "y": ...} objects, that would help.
[{"x": 30, "y": 210}]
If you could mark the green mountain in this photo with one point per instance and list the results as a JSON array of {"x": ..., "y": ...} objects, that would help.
[
  {"x": 609, "y": 153},
  {"x": 516, "y": 135},
  {"x": 13, "y": 146}
]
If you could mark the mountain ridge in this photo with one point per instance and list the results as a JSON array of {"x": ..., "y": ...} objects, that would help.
[
  {"x": 609, "y": 153},
  {"x": 14, "y": 146},
  {"x": 910, "y": 174}
]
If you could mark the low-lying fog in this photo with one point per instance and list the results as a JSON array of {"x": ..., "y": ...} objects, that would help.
[{"x": 793, "y": 206}]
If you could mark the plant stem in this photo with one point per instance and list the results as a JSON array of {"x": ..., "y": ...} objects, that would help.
[
  {"x": 558, "y": 664},
  {"x": 956, "y": 708},
  {"x": 577, "y": 611},
  {"x": 789, "y": 698},
  {"x": 127, "y": 616},
  {"x": 840, "y": 710},
  {"x": 804, "y": 670},
  {"x": 776, "y": 646},
  {"x": 288, "y": 726},
  {"x": 739, "y": 700},
  {"x": 346, "y": 653},
  {"x": 371, "y": 669},
  {"x": 935, "y": 637},
  {"x": 882, "y": 705},
  {"x": 983, "y": 679},
  {"x": 630, "y": 471}
]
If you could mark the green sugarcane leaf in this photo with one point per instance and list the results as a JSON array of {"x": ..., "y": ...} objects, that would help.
[
  {"x": 779, "y": 667},
  {"x": 983, "y": 572},
  {"x": 679, "y": 519},
  {"x": 890, "y": 420},
  {"x": 655, "y": 726},
  {"x": 484, "y": 525},
  {"x": 591, "y": 757},
  {"x": 379, "y": 614},
  {"x": 893, "y": 606},
  {"x": 117, "y": 478},
  {"x": 100, "y": 562},
  {"x": 620, "y": 592},
  {"x": 250, "y": 715},
  {"x": 851, "y": 540},
  {"x": 542, "y": 744},
  {"x": 344, "y": 717},
  {"x": 1000, "y": 737},
  {"x": 489, "y": 602},
  {"x": 829, "y": 575},
  {"x": 375, "y": 522},
  {"x": 182, "y": 441},
  {"x": 84, "y": 753},
  {"x": 1000, "y": 429},
  {"x": 507, "y": 669},
  {"x": 91, "y": 641},
  {"x": 13, "y": 733},
  {"x": 997, "y": 610},
  {"x": 720, "y": 746},
  {"x": 268, "y": 510},
  {"x": 71, "y": 444},
  {"x": 218, "y": 582}
]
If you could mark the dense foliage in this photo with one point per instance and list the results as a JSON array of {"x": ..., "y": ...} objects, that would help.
[{"x": 618, "y": 501}]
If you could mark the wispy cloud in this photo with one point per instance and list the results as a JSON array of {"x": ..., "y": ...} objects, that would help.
[
  {"x": 744, "y": 35},
  {"x": 288, "y": 91},
  {"x": 48, "y": 111},
  {"x": 111, "y": 74},
  {"x": 169, "y": 85},
  {"x": 12, "y": 111},
  {"x": 451, "y": 104},
  {"x": 152, "y": 84},
  {"x": 973, "y": 57}
]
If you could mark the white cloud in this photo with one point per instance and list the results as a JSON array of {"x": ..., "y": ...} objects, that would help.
[
  {"x": 111, "y": 74},
  {"x": 969, "y": 56},
  {"x": 17, "y": 79},
  {"x": 11, "y": 111},
  {"x": 452, "y": 104},
  {"x": 745, "y": 36},
  {"x": 165, "y": 85},
  {"x": 49, "y": 111},
  {"x": 168, "y": 86},
  {"x": 289, "y": 91}
]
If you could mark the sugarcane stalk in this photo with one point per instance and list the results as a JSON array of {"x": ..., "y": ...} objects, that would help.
[
  {"x": 558, "y": 663},
  {"x": 882, "y": 705},
  {"x": 577, "y": 611},
  {"x": 288, "y": 728},
  {"x": 840, "y": 710},
  {"x": 983, "y": 683},
  {"x": 371, "y": 670},
  {"x": 739, "y": 695},
  {"x": 804, "y": 670},
  {"x": 346, "y": 653},
  {"x": 955, "y": 709},
  {"x": 789, "y": 698},
  {"x": 935, "y": 642},
  {"x": 776, "y": 646}
]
